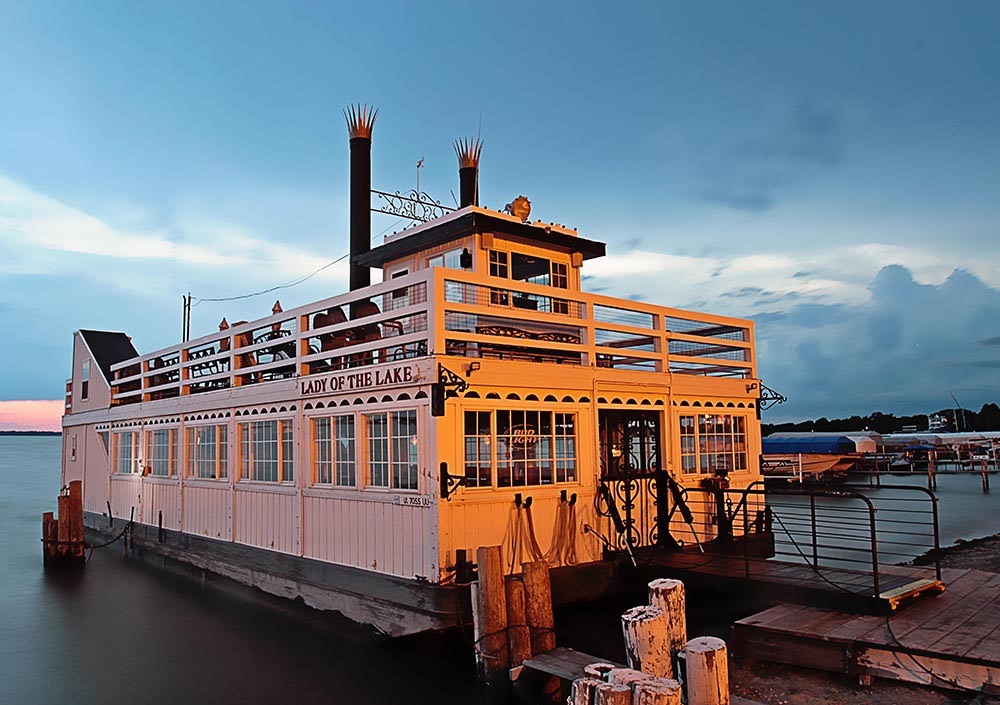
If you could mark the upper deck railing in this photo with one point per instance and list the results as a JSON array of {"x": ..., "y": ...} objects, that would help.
[{"x": 450, "y": 312}]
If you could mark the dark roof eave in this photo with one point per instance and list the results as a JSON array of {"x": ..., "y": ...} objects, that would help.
[{"x": 477, "y": 222}]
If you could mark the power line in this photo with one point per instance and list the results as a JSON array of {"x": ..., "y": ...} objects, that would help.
[{"x": 274, "y": 288}]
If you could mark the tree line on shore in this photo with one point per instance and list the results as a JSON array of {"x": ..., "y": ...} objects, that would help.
[{"x": 960, "y": 420}]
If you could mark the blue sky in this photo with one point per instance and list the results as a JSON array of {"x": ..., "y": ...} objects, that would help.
[{"x": 829, "y": 170}]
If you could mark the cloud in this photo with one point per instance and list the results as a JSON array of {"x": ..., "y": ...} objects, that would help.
[
  {"x": 41, "y": 235},
  {"x": 900, "y": 350},
  {"x": 750, "y": 174}
]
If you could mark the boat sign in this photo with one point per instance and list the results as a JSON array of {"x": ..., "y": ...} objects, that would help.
[{"x": 349, "y": 380}]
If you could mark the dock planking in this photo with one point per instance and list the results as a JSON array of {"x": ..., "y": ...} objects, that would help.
[
  {"x": 949, "y": 641},
  {"x": 798, "y": 581}
]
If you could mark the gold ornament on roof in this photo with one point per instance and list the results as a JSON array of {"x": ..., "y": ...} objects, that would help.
[{"x": 520, "y": 208}]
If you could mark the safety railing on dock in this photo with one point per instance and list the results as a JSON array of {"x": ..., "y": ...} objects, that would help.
[
  {"x": 844, "y": 535},
  {"x": 450, "y": 312}
]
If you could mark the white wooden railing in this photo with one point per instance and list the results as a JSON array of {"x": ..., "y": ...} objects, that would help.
[{"x": 450, "y": 312}]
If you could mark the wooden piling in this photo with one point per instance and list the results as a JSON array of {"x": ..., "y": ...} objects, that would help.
[
  {"x": 584, "y": 691},
  {"x": 538, "y": 606},
  {"x": 628, "y": 676},
  {"x": 599, "y": 670},
  {"x": 541, "y": 622},
  {"x": 75, "y": 519},
  {"x": 986, "y": 475},
  {"x": 668, "y": 595},
  {"x": 707, "y": 671},
  {"x": 518, "y": 634},
  {"x": 492, "y": 654},
  {"x": 646, "y": 645},
  {"x": 657, "y": 691},
  {"x": 613, "y": 694},
  {"x": 62, "y": 505}
]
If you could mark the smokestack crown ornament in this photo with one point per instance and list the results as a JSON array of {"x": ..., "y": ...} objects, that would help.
[{"x": 468, "y": 151}]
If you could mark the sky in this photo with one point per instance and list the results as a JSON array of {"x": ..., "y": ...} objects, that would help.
[{"x": 828, "y": 170}]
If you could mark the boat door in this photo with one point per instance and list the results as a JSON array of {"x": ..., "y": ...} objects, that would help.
[{"x": 629, "y": 496}]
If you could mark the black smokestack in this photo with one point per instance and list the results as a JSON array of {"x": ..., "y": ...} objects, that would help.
[
  {"x": 468, "y": 152},
  {"x": 360, "y": 121}
]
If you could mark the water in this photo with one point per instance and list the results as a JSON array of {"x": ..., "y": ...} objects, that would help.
[{"x": 122, "y": 633}]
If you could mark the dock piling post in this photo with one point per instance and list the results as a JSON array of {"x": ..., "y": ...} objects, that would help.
[
  {"x": 668, "y": 595},
  {"x": 647, "y": 647},
  {"x": 518, "y": 634},
  {"x": 657, "y": 691},
  {"x": 612, "y": 694},
  {"x": 489, "y": 604},
  {"x": 986, "y": 477},
  {"x": 707, "y": 671},
  {"x": 584, "y": 691}
]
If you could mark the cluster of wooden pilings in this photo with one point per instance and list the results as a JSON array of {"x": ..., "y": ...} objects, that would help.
[
  {"x": 62, "y": 537},
  {"x": 512, "y": 620},
  {"x": 513, "y": 624},
  {"x": 664, "y": 667}
]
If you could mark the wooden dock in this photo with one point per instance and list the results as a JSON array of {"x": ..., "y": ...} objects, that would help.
[
  {"x": 950, "y": 641},
  {"x": 796, "y": 582}
]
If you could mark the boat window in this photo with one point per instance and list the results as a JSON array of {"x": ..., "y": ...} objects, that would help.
[
  {"x": 392, "y": 449},
  {"x": 85, "y": 380},
  {"x": 267, "y": 451},
  {"x": 526, "y": 447},
  {"x": 713, "y": 443},
  {"x": 452, "y": 259},
  {"x": 529, "y": 268},
  {"x": 333, "y": 450},
  {"x": 208, "y": 451},
  {"x": 478, "y": 445},
  {"x": 161, "y": 451},
  {"x": 560, "y": 275},
  {"x": 498, "y": 264},
  {"x": 125, "y": 452}
]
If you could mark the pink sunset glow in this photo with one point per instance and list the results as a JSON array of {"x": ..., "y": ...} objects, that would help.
[{"x": 31, "y": 415}]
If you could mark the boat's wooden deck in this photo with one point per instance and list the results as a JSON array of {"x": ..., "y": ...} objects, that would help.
[
  {"x": 952, "y": 640},
  {"x": 795, "y": 582}
]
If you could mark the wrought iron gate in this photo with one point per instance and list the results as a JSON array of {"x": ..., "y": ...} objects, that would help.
[{"x": 629, "y": 495}]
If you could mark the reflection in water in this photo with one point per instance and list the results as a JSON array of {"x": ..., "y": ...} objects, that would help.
[{"x": 118, "y": 632}]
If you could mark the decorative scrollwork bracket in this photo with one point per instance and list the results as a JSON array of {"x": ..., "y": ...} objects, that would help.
[
  {"x": 448, "y": 384},
  {"x": 415, "y": 205}
]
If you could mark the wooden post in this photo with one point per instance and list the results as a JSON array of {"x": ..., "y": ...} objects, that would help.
[
  {"x": 541, "y": 623},
  {"x": 492, "y": 655},
  {"x": 657, "y": 691},
  {"x": 986, "y": 475},
  {"x": 75, "y": 518},
  {"x": 627, "y": 676},
  {"x": 48, "y": 534},
  {"x": 646, "y": 646},
  {"x": 599, "y": 670},
  {"x": 707, "y": 671},
  {"x": 584, "y": 691},
  {"x": 613, "y": 694},
  {"x": 538, "y": 607},
  {"x": 62, "y": 504},
  {"x": 668, "y": 595},
  {"x": 518, "y": 634}
]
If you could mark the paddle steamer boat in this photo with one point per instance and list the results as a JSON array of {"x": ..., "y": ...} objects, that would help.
[{"x": 349, "y": 453}]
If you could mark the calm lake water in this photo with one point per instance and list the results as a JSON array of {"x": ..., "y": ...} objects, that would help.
[{"x": 120, "y": 633}]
